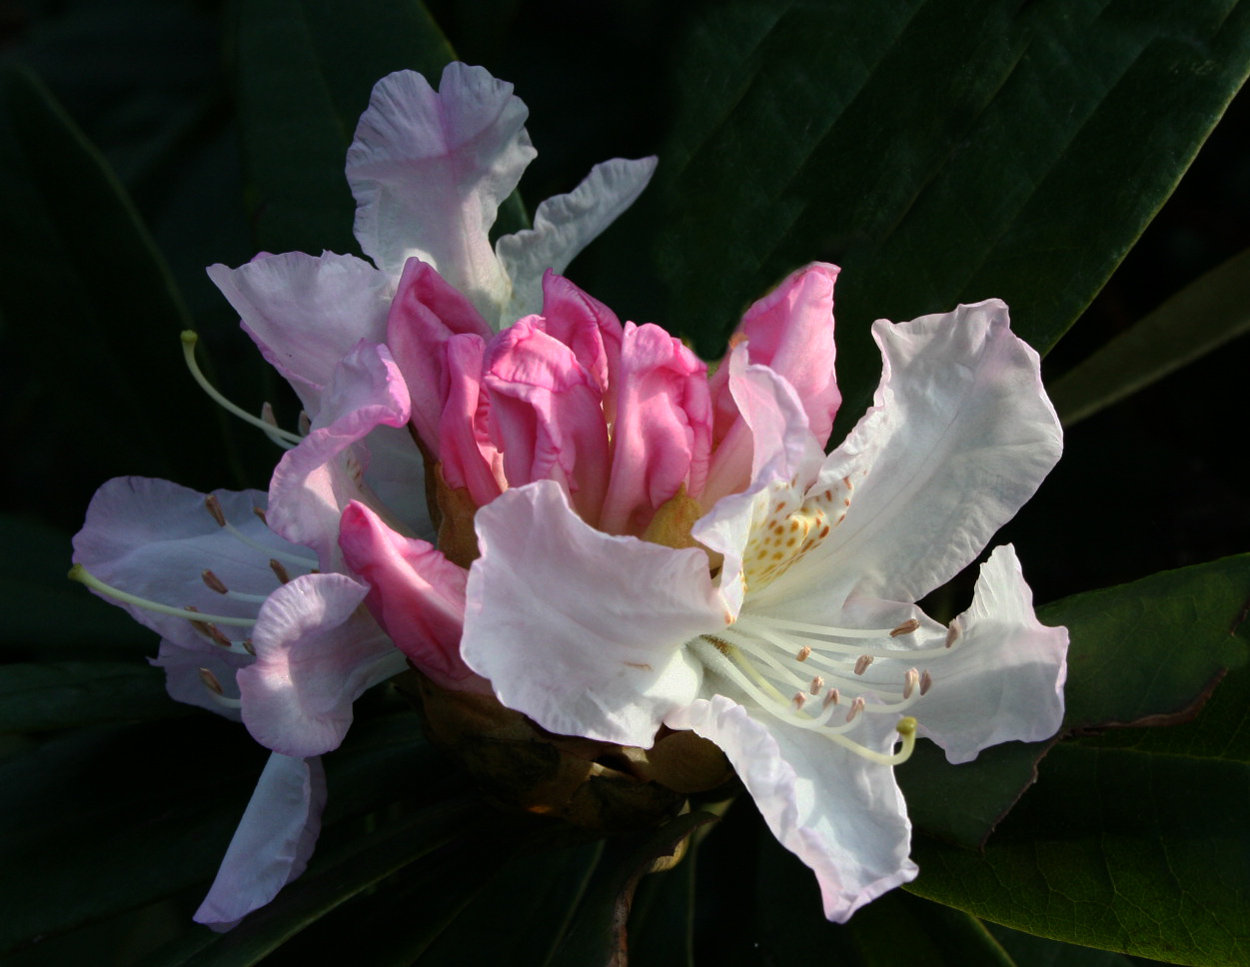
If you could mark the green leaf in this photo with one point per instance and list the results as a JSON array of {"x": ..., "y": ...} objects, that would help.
[
  {"x": 596, "y": 937},
  {"x": 1139, "y": 853},
  {"x": 108, "y": 395},
  {"x": 61, "y": 694},
  {"x": 939, "y": 150},
  {"x": 661, "y": 920},
  {"x": 1028, "y": 950},
  {"x": 1197, "y": 320},
  {"x": 305, "y": 70}
]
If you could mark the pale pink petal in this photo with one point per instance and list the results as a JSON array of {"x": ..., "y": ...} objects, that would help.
[
  {"x": 307, "y": 313},
  {"x": 184, "y": 679},
  {"x": 429, "y": 171},
  {"x": 316, "y": 652},
  {"x": 546, "y": 415},
  {"x": 588, "y": 327},
  {"x": 580, "y": 630},
  {"x": 1002, "y": 679},
  {"x": 416, "y": 594},
  {"x": 960, "y": 435},
  {"x": 316, "y": 480},
  {"x": 396, "y": 477},
  {"x": 565, "y": 224},
  {"x": 273, "y": 843},
  {"x": 790, "y": 331},
  {"x": 155, "y": 539},
  {"x": 661, "y": 437},
  {"x": 839, "y": 813},
  {"x": 469, "y": 459},
  {"x": 426, "y": 313}
]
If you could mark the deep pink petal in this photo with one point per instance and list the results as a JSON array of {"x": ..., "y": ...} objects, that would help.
[
  {"x": 316, "y": 480},
  {"x": 580, "y": 630},
  {"x": 316, "y": 652},
  {"x": 588, "y": 327},
  {"x": 469, "y": 459},
  {"x": 273, "y": 843},
  {"x": 426, "y": 313},
  {"x": 546, "y": 415},
  {"x": 662, "y": 433},
  {"x": 790, "y": 331},
  {"x": 416, "y": 594}
]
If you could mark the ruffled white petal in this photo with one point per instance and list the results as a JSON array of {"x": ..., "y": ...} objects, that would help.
[
  {"x": 580, "y": 630},
  {"x": 566, "y": 224},
  {"x": 307, "y": 313},
  {"x": 960, "y": 435},
  {"x": 1003, "y": 679},
  {"x": 273, "y": 843},
  {"x": 839, "y": 813},
  {"x": 429, "y": 170}
]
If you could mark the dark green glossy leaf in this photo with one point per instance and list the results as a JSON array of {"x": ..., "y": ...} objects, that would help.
[
  {"x": 661, "y": 920},
  {"x": 108, "y": 395},
  {"x": 1121, "y": 637},
  {"x": 60, "y": 694},
  {"x": 893, "y": 929},
  {"x": 939, "y": 150},
  {"x": 1140, "y": 853},
  {"x": 334, "y": 877},
  {"x": 105, "y": 820},
  {"x": 1028, "y": 950},
  {"x": 305, "y": 70},
  {"x": 1200, "y": 318},
  {"x": 596, "y": 937}
]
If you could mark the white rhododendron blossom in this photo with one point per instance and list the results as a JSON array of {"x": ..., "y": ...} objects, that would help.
[{"x": 259, "y": 617}]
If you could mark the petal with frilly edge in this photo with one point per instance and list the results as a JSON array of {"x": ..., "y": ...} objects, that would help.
[
  {"x": 316, "y": 652},
  {"x": 314, "y": 482},
  {"x": 1003, "y": 677},
  {"x": 589, "y": 328},
  {"x": 841, "y": 814},
  {"x": 416, "y": 594},
  {"x": 307, "y": 313},
  {"x": 273, "y": 843},
  {"x": 959, "y": 436},
  {"x": 155, "y": 539},
  {"x": 566, "y": 224},
  {"x": 429, "y": 171},
  {"x": 580, "y": 630}
]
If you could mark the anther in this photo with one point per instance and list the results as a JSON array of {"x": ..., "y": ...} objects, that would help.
[
  {"x": 832, "y": 697},
  {"x": 260, "y": 512},
  {"x": 817, "y": 684},
  {"x": 210, "y": 682},
  {"x": 862, "y": 663},
  {"x": 248, "y": 646},
  {"x": 799, "y": 699},
  {"x": 279, "y": 571},
  {"x": 218, "y": 638},
  {"x": 305, "y": 423},
  {"x": 906, "y": 628},
  {"x": 926, "y": 682},
  {"x": 952, "y": 633},
  {"x": 213, "y": 505},
  {"x": 214, "y": 583},
  {"x": 857, "y": 706},
  {"x": 804, "y": 653},
  {"x": 910, "y": 681}
]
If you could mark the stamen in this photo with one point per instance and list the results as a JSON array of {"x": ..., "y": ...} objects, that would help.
[
  {"x": 833, "y": 697},
  {"x": 248, "y": 646},
  {"x": 83, "y": 576},
  {"x": 926, "y": 682},
  {"x": 952, "y": 632},
  {"x": 189, "y": 339},
  {"x": 210, "y": 682},
  {"x": 862, "y": 663},
  {"x": 817, "y": 684},
  {"x": 906, "y": 728},
  {"x": 260, "y": 513},
  {"x": 214, "y": 507},
  {"x": 214, "y": 583},
  {"x": 906, "y": 628},
  {"x": 799, "y": 699},
  {"x": 910, "y": 681},
  {"x": 274, "y": 433},
  {"x": 804, "y": 653},
  {"x": 279, "y": 571},
  {"x": 857, "y": 706},
  {"x": 305, "y": 423}
]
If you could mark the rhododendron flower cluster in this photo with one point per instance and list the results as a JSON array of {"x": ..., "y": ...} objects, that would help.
[{"x": 624, "y": 540}]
